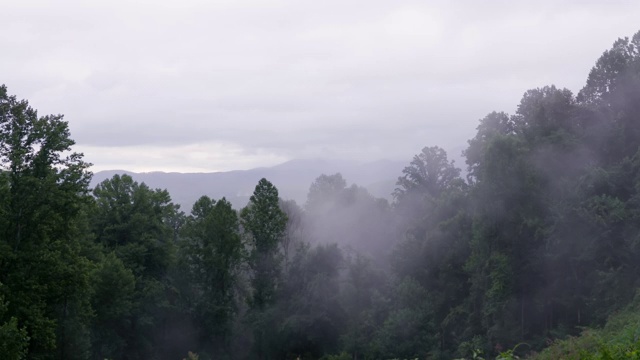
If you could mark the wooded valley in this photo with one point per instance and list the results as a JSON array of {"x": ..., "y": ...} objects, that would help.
[{"x": 538, "y": 241}]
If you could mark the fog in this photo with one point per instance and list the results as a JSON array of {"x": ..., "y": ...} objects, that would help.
[
  {"x": 319, "y": 181},
  {"x": 345, "y": 215},
  {"x": 196, "y": 86}
]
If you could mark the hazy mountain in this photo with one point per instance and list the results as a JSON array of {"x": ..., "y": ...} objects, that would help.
[{"x": 292, "y": 178}]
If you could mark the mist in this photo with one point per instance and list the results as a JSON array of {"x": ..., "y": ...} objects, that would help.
[{"x": 319, "y": 181}]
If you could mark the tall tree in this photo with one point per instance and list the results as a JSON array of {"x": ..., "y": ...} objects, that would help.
[
  {"x": 265, "y": 224},
  {"x": 325, "y": 192},
  {"x": 212, "y": 253},
  {"x": 429, "y": 258},
  {"x": 113, "y": 296},
  {"x": 44, "y": 186},
  {"x": 429, "y": 174},
  {"x": 612, "y": 99},
  {"x": 135, "y": 223},
  {"x": 310, "y": 317},
  {"x": 296, "y": 230}
]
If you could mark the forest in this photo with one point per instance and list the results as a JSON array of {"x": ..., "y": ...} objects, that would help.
[{"x": 539, "y": 240}]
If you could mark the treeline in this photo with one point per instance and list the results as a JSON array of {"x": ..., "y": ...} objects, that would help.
[{"x": 541, "y": 238}]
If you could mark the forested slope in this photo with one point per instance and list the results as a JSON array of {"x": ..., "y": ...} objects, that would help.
[
  {"x": 618, "y": 339},
  {"x": 541, "y": 239}
]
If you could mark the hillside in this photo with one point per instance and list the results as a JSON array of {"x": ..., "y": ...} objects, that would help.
[
  {"x": 618, "y": 339},
  {"x": 292, "y": 178}
]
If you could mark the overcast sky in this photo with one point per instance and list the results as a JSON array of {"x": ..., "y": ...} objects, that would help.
[{"x": 201, "y": 85}]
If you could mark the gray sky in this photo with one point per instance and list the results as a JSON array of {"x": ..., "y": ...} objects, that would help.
[{"x": 200, "y": 85}]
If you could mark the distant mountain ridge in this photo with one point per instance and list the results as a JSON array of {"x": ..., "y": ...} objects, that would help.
[{"x": 292, "y": 179}]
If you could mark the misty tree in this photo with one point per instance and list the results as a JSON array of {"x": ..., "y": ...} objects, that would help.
[
  {"x": 325, "y": 210},
  {"x": 508, "y": 218},
  {"x": 429, "y": 174},
  {"x": 364, "y": 300},
  {"x": 296, "y": 230},
  {"x": 495, "y": 124},
  {"x": 409, "y": 330},
  {"x": 430, "y": 256},
  {"x": 598, "y": 214},
  {"x": 612, "y": 99},
  {"x": 545, "y": 116},
  {"x": 325, "y": 192},
  {"x": 265, "y": 224},
  {"x": 349, "y": 216},
  {"x": 612, "y": 70},
  {"x": 310, "y": 315},
  {"x": 212, "y": 254}
]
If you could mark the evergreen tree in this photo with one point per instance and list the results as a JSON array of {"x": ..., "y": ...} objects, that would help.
[{"x": 265, "y": 224}]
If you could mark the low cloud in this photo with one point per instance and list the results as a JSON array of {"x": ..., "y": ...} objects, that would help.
[{"x": 145, "y": 84}]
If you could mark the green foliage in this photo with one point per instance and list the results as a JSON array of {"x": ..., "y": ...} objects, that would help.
[
  {"x": 265, "y": 223},
  {"x": 134, "y": 223},
  {"x": 191, "y": 356},
  {"x": 364, "y": 297},
  {"x": 296, "y": 232},
  {"x": 618, "y": 339},
  {"x": 13, "y": 339},
  {"x": 341, "y": 356},
  {"x": 43, "y": 186},
  {"x": 211, "y": 255},
  {"x": 429, "y": 174},
  {"x": 510, "y": 354},
  {"x": 112, "y": 299},
  {"x": 131, "y": 219}
]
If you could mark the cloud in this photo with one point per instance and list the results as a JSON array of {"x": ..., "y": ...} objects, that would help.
[
  {"x": 195, "y": 157},
  {"x": 275, "y": 80}
]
